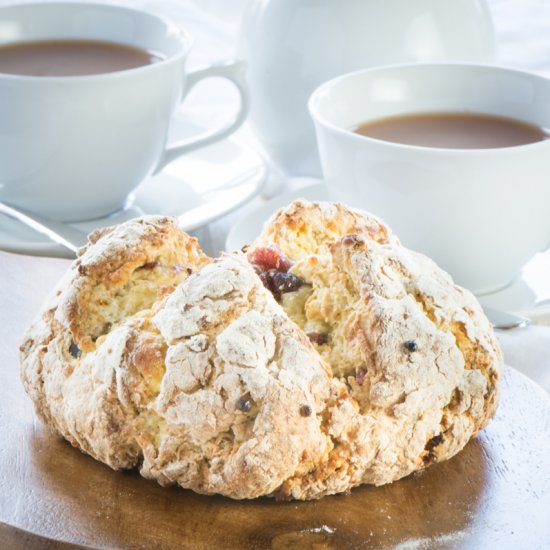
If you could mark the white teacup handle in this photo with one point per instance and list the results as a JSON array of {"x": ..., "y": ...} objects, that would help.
[{"x": 232, "y": 70}]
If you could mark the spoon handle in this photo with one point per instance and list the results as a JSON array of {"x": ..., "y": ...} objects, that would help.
[
  {"x": 504, "y": 320},
  {"x": 59, "y": 232}
]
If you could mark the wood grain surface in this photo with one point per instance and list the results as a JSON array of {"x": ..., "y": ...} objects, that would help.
[{"x": 494, "y": 494}]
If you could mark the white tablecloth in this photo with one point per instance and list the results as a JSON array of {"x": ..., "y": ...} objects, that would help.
[{"x": 523, "y": 34}]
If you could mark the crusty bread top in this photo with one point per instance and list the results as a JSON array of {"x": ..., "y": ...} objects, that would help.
[
  {"x": 415, "y": 351},
  {"x": 150, "y": 354},
  {"x": 121, "y": 271}
]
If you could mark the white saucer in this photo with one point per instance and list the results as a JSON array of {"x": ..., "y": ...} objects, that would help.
[
  {"x": 528, "y": 295},
  {"x": 197, "y": 189}
]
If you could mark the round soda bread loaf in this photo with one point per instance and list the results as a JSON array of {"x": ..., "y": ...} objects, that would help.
[{"x": 332, "y": 357}]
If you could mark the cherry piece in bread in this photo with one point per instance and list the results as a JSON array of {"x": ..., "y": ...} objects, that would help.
[{"x": 268, "y": 258}]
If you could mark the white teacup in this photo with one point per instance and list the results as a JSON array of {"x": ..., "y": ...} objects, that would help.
[
  {"x": 480, "y": 213},
  {"x": 73, "y": 148}
]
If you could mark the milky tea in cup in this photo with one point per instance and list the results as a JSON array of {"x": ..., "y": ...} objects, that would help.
[
  {"x": 453, "y": 130},
  {"x": 71, "y": 57},
  {"x": 87, "y": 92},
  {"x": 454, "y": 157}
]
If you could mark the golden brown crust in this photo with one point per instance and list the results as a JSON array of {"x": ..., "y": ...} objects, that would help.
[
  {"x": 415, "y": 352},
  {"x": 150, "y": 354},
  {"x": 195, "y": 374},
  {"x": 131, "y": 261},
  {"x": 93, "y": 333},
  {"x": 298, "y": 229}
]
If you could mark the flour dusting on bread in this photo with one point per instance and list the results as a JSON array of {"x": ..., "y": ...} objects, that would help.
[{"x": 328, "y": 357}]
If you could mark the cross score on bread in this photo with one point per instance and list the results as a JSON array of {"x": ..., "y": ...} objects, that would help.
[{"x": 326, "y": 357}]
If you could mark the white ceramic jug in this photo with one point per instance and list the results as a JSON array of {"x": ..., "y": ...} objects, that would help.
[{"x": 292, "y": 46}]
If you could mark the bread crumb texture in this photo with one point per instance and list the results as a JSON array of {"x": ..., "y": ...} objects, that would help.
[{"x": 150, "y": 355}]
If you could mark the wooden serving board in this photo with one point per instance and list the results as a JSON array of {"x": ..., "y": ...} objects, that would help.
[{"x": 494, "y": 494}]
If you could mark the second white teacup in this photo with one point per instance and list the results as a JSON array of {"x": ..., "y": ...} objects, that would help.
[
  {"x": 480, "y": 213},
  {"x": 73, "y": 147}
]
